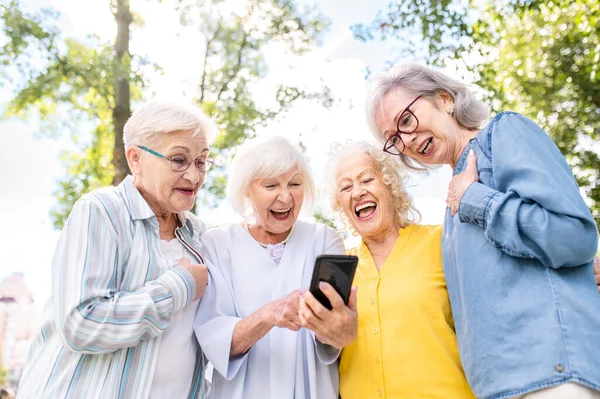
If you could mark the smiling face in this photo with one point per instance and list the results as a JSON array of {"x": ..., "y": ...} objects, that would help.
[
  {"x": 365, "y": 199},
  {"x": 277, "y": 201},
  {"x": 167, "y": 191},
  {"x": 438, "y": 139}
]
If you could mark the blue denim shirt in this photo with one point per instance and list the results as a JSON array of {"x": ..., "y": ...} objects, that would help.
[{"x": 518, "y": 263}]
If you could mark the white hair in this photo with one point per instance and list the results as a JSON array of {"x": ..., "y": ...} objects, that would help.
[
  {"x": 419, "y": 80},
  {"x": 394, "y": 176},
  {"x": 261, "y": 158},
  {"x": 166, "y": 116}
]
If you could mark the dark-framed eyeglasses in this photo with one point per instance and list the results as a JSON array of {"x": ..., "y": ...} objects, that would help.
[
  {"x": 407, "y": 124},
  {"x": 181, "y": 163}
]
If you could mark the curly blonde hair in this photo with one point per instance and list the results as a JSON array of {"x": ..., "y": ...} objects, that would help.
[{"x": 394, "y": 176}]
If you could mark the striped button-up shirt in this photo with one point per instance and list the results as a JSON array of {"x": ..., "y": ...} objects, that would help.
[{"x": 112, "y": 298}]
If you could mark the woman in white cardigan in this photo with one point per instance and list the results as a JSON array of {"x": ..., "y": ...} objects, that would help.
[{"x": 258, "y": 270}]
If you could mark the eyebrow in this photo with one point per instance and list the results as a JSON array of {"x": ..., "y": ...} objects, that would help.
[{"x": 187, "y": 149}]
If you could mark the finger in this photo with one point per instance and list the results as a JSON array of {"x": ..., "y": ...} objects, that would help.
[
  {"x": 334, "y": 298},
  {"x": 184, "y": 262},
  {"x": 352, "y": 298},
  {"x": 596, "y": 265},
  {"x": 318, "y": 310},
  {"x": 472, "y": 165}
]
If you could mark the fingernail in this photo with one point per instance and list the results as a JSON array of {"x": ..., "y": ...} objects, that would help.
[
  {"x": 322, "y": 285},
  {"x": 471, "y": 153},
  {"x": 302, "y": 291}
]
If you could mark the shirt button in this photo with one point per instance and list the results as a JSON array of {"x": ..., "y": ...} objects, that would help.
[
  {"x": 560, "y": 368},
  {"x": 372, "y": 301},
  {"x": 375, "y": 330},
  {"x": 377, "y": 360},
  {"x": 379, "y": 393},
  {"x": 376, "y": 278}
]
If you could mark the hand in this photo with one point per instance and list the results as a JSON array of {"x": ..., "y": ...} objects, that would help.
[
  {"x": 461, "y": 182},
  {"x": 597, "y": 271},
  {"x": 284, "y": 311},
  {"x": 337, "y": 327},
  {"x": 200, "y": 273}
]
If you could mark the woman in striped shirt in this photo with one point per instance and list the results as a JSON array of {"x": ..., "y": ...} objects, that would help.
[{"x": 128, "y": 272}]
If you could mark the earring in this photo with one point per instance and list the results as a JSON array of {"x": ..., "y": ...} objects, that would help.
[{"x": 452, "y": 112}]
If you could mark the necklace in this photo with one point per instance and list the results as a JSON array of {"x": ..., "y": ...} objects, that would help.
[{"x": 262, "y": 244}]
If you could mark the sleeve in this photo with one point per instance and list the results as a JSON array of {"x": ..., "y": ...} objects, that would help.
[
  {"x": 334, "y": 244},
  {"x": 216, "y": 318},
  {"x": 92, "y": 316},
  {"x": 537, "y": 210}
]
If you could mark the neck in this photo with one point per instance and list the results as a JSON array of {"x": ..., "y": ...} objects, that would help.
[
  {"x": 167, "y": 221},
  {"x": 463, "y": 141},
  {"x": 380, "y": 245},
  {"x": 260, "y": 234}
]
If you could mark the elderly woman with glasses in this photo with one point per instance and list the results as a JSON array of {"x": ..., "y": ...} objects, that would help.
[
  {"x": 518, "y": 242},
  {"x": 406, "y": 345},
  {"x": 248, "y": 323},
  {"x": 128, "y": 273}
]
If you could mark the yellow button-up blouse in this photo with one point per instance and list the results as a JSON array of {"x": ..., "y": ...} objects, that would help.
[{"x": 406, "y": 345}]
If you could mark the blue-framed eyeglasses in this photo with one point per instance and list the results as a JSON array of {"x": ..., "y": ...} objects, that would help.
[{"x": 180, "y": 163}]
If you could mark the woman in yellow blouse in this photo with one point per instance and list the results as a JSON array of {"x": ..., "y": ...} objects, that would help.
[{"x": 406, "y": 345}]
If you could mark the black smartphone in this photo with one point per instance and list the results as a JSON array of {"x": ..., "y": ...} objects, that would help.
[{"x": 337, "y": 270}]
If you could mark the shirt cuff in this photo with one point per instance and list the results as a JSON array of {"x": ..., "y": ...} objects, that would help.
[
  {"x": 474, "y": 204},
  {"x": 182, "y": 285}
]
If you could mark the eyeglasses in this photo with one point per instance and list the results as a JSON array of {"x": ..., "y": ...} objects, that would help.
[
  {"x": 407, "y": 124},
  {"x": 180, "y": 163}
]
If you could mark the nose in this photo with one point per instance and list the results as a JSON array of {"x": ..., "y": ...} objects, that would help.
[
  {"x": 193, "y": 175},
  {"x": 357, "y": 191},
  {"x": 284, "y": 195},
  {"x": 409, "y": 138}
]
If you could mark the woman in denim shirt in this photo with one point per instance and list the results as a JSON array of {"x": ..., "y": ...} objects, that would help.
[{"x": 518, "y": 242}]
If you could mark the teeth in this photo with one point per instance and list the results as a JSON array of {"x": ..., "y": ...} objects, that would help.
[
  {"x": 363, "y": 206},
  {"x": 281, "y": 210},
  {"x": 426, "y": 147}
]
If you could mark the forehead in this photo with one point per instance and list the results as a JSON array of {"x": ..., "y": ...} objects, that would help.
[
  {"x": 290, "y": 174},
  {"x": 354, "y": 164},
  {"x": 185, "y": 138},
  {"x": 392, "y": 103}
]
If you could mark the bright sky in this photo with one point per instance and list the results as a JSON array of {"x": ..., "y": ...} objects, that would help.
[{"x": 30, "y": 167}]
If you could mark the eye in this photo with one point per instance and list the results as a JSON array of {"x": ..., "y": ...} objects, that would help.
[
  {"x": 345, "y": 188},
  {"x": 179, "y": 160},
  {"x": 295, "y": 184},
  {"x": 269, "y": 186},
  {"x": 405, "y": 120},
  {"x": 394, "y": 140},
  {"x": 368, "y": 180}
]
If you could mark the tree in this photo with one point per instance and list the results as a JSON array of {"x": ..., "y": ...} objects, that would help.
[
  {"x": 74, "y": 88},
  {"x": 235, "y": 36},
  {"x": 537, "y": 58}
]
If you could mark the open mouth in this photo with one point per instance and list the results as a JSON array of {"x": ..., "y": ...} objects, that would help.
[
  {"x": 365, "y": 210},
  {"x": 281, "y": 214},
  {"x": 425, "y": 146},
  {"x": 186, "y": 191}
]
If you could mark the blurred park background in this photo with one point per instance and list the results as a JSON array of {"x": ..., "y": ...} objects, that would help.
[{"x": 72, "y": 71}]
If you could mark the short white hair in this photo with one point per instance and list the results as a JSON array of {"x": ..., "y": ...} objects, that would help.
[
  {"x": 166, "y": 116},
  {"x": 395, "y": 175},
  {"x": 261, "y": 158},
  {"x": 419, "y": 80}
]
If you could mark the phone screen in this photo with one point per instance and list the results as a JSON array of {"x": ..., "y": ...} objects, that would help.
[{"x": 337, "y": 270}]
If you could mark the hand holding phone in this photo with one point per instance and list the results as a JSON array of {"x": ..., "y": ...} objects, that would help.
[{"x": 338, "y": 271}]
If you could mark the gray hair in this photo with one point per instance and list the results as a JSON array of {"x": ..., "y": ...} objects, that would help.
[
  {"x": 166, "y": 116},
  {"x": 419, "y": 80},
  {"x": 394, "y": 176},
  {"x": 261, "y": 158}
]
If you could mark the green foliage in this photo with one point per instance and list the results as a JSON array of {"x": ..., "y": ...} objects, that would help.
[
  {"x": 3, "y": 372},
  {"x": 537, "y": 58},
  {"x": 69, "y": 85},
  {"x": 236, "y": 34}
]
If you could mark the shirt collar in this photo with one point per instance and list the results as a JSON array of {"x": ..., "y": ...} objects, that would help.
[{"x": 139, "y": 208}]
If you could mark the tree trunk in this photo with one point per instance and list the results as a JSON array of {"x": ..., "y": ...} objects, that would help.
[{"x": 122, "y": 109}]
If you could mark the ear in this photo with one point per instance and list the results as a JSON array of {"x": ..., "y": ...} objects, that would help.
[
  {"x": 133, "y": 160},
  {"x": 447, "y": 100}
]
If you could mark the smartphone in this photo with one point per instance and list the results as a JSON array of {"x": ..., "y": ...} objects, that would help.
[{"x": 337, "y": 270}]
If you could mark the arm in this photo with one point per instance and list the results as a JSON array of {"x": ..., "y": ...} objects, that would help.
[
  {"x": 93, "y": 317},
  {"x": 536, "y": 210}
]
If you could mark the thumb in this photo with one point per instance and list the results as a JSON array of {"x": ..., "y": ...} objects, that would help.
[
  {"x": 184, "y": 262},
  {"x": 352, "y": 298},
  {"x": 472, "y": 163}
]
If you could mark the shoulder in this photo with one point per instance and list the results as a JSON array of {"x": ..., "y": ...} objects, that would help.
[
  {"x": 219, "y": 235},
  {"x": 510, "y": 123},
  {"x": 316, "y": 230},
  {"x": 426, "y": 231},
  {"x": 196, "y": 223}
]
